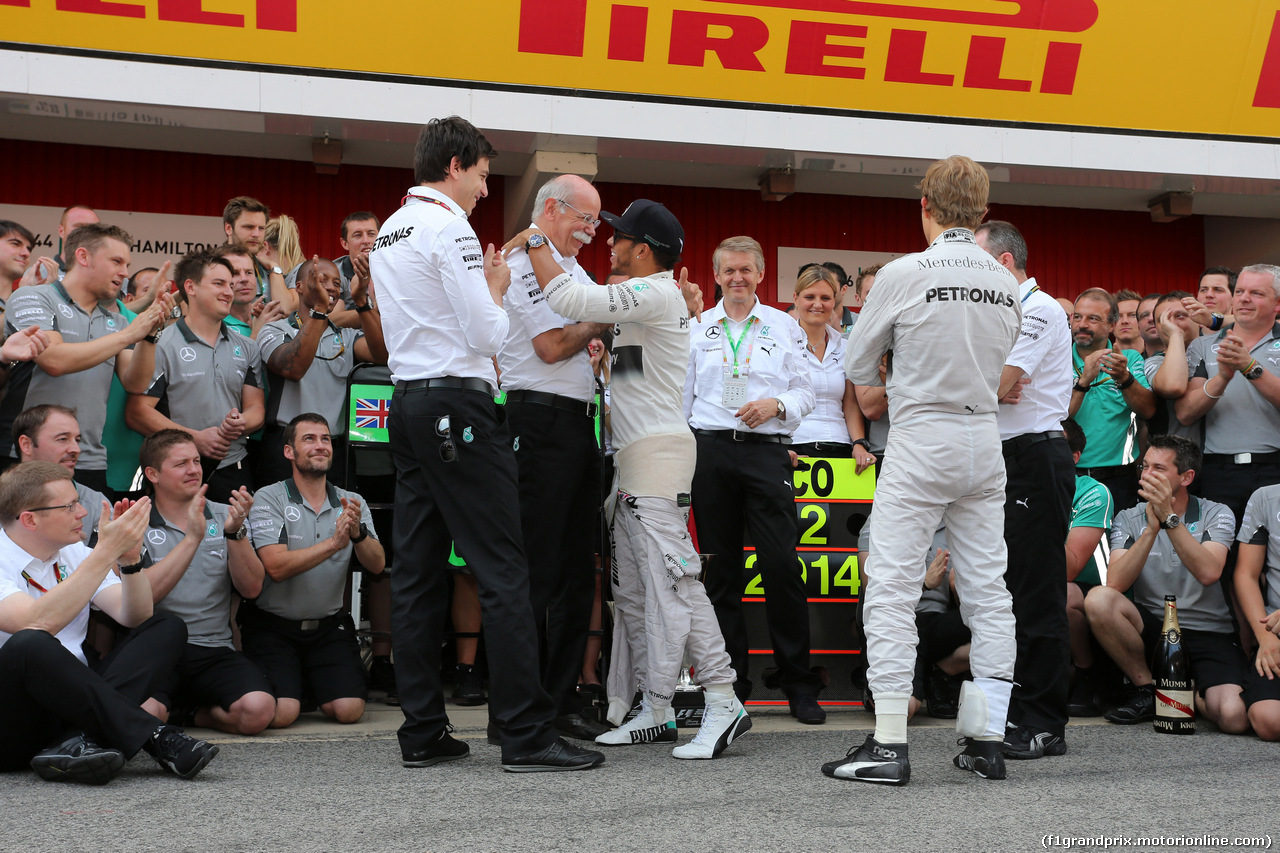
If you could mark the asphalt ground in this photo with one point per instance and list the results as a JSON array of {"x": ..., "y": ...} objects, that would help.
[{"x": 319, "y": 786}]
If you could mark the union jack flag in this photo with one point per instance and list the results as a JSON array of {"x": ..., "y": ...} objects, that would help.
[{"x": 372, "y": 413}]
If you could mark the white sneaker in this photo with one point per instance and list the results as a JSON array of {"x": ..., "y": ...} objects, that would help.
[
  {"x": 644, "y": 727},
  {"x": 722, "y": 723}
]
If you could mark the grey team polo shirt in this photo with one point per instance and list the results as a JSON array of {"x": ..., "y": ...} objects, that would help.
[
  {"x": 198, "y": 384},
  {"x": 1200, "y": 607},
  {"x": 49, "y": 307},
  {"x": 1242, "y": 421},
  {"x": 281, "y": 517},
  {"x": 1261, "y": 526},
  {"x": 202, "y": 597},
  {"x": 323, "y": 388}
]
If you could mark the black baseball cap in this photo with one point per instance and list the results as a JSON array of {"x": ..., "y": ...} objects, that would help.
[{"x": 651, "y": 222}]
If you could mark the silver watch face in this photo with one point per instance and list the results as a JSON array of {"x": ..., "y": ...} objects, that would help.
[{"x": 1172, "y": 522}]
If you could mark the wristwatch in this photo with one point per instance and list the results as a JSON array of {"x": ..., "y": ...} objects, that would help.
[
  {"x": 1215, "y": 323},
  {"x": 277, "y": 270},
  {"x": 364, "y": 534},
  {"x": 239, "y": 534},
  {"x": 863, "y": 443},
  {"x": 1171, "y": 522},
  {"x": 782, "y": 409},
  {"x": 535, "y": 241},
  {"x": 319, "y": 315},
  {"x": 1253, "y": 372},
  {"x": 361, "y": 309}
]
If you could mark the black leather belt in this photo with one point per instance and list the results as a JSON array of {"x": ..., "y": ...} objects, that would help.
[
  {"x": 457, "y": 382},
  {"x": 555, "y": 401},
  {"x": 1017, "y": 444},
  {"x": 252, "y": 614},
  {"x": 745, "y": 437},
  {"x": 1243, "y": 458}
]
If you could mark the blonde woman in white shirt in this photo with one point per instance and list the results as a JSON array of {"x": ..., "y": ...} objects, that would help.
[{"x": 835, "y": 428}]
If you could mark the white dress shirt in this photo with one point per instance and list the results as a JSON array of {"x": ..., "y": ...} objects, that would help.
[
  {"x": 14, "y": 561},
  {"x": 438, "y": 318},
  {"x": 1043, "y": 353},
  {"x": 530, "y": 316},
  {"x": 769, "y": 357},
  {"x": 826, "y": 422}
]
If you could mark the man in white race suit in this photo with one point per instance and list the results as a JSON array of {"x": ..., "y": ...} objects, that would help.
[{"x": 949, "y": 316}]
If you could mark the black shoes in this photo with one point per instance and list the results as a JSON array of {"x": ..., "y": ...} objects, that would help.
[
  {"x": 467, "y": 687},
  {"x": 579, "y": 727},
  {"x": 382, "y": 676},
  {"x": 1027, "y": 742},
  {"x": 445, "y": 748},
  {"x": 807, "y": 710},
  {"x": 179, "y": 753},
  {"x": 983, "y": 757},
  {"x": 1139, "y": 709},
  {"x": 559, "y": 755},
  {"x": 885, "y": 763},
  {"x": 1083, "y": 701},
  {"x": 78, "y": 759},
  {"x": 942, "y": 694}
]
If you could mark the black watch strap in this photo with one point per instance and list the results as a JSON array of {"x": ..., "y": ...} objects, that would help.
[
  {"x": 361, "y": 309},
  {"x": 364, "y": 534}
]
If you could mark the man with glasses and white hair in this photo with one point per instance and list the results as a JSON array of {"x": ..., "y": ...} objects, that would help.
[{"x": 547, "y": 374}]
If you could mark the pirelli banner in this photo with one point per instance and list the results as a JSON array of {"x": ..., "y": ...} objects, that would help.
[{"x": 1166, "y": 66}]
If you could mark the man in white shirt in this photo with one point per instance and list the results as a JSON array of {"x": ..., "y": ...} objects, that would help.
[
  {"x": 950, "y": 316},
  {"x": 551, "y": 408},
  {"x": 441, "y": 301},
  {"x": 745, "y": 393},
  {"x": 48, "y": 580},
  {"x": 1035, "y": 391}
]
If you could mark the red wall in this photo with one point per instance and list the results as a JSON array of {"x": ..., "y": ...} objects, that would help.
[{"x": 1070, "y": 249}]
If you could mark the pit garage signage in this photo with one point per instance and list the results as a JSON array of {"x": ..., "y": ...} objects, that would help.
[{"x": 1166, "y": 66}]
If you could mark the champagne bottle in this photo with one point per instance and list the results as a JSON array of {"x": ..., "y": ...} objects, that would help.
[{"x": 1175, "y": 700}]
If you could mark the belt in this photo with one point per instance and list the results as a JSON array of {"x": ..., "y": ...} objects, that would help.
[
  {"x": 467, "y": 384},
  {"x": 555, "y": 401},
  {"x": 746, "y": 437},
  {"x": 1104, "y": 470},
  {"x": 819, "y": 447},
  {"x": 1017, "y": 444},
  {"x": 251, "y": 613},
  {"x": 1243, "y": 458}
]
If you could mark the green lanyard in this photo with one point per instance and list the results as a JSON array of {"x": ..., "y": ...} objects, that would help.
[{"x": 737, "y": 345}]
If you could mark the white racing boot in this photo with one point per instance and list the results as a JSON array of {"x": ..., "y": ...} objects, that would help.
[
  {"x": 645, "y": 727},
  {"x": 724, "y": 720}
]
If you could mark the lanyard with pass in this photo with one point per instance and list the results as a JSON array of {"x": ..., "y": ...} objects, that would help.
[
  {"x": 734, "y": 394},
  {"x": 58, "y": 577}
]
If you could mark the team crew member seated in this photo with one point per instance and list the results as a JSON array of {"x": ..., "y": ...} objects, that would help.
[
  {"x": 550, "y": 387},
  {"x": 199, "y": 549},
  {"x": 1037, "y": 508},
  {"x": 206, "y": 378},
  {"x": 943, "y": 464},
  {"x": 50, "y": 433},
  {"x": 48, "y": 581},
  {"x": 745, "y": 393},
  {"x": 87, "y": 342},
  {"x": 1260, "y": 557},
  {"x": 308, "y": 360},
  {"x": 296, "y": 630},
  {"x": 1171, "y": 544},
  {"x": 441, "y": 302},
  {"x": 659, "y": 600}
]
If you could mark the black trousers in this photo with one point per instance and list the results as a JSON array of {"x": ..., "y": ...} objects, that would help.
[
  {"x": 95, "y": 479},
  {"x": 741, "y": 487},
  {"x": 225, "y": 480},
  {"x": 1037, "y": 516},
  {"x": 559, "y": 473},
  {"x": 1120, "y": 480},
  {"x": 472, "y": 499},
  {"x": 1227, "y": 483},
  {"x": 48, "y": 693}
]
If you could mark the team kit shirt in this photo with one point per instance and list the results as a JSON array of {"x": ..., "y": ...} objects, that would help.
[
  {"x": 1106, "y": 418},
  {"x": 1242, "y": 421},
  {"x": 280, "y": 516},
  {"x": 1261, "y": 526},
  {"x": 438, "y": 318},
  {"x": 49, "y": 307},
  {"x": 1092, "y": 506},
  {"x": 973, "y": 322},
  {"x": 1042, "y": 353},
  {"x": 732, "y": 362},
  {"x": 531, "y": 315},
  {"x": 198, "y": 384},
  {"x": 16, "y": 565},
  {"x": 1200, "y": 607},
  {"x": 826, "y": 377},
  {"x": 1166, "y": 420},
  {"x": 202, "y": 597},
  {"x": 323, "y": 388}
]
